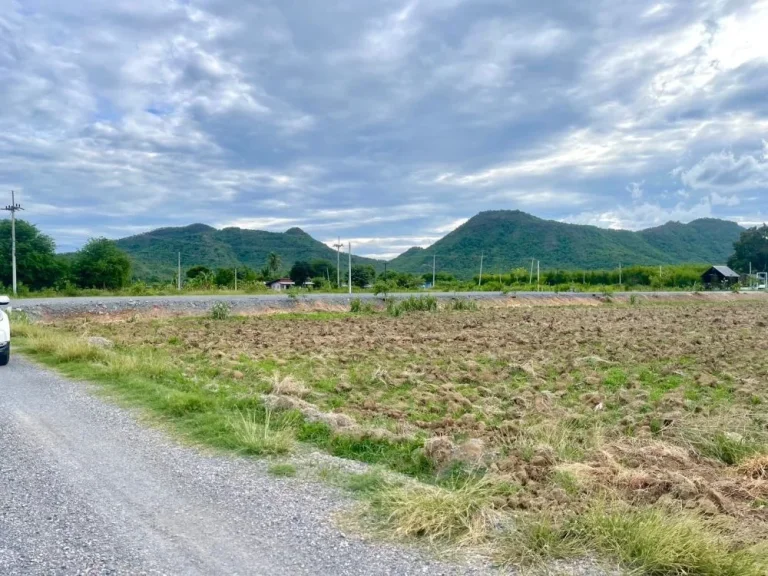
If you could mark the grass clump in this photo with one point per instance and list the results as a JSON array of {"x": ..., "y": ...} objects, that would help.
[
  {"x": 730, "y": 448},
  {"x": 283, "y": 470},
  {"x": 462, "y": 305},
  {"x": 462, "y": 515},
  {"x": 357, "y": 306},
  {"x": 259, "y": 437},
  {"x": 647, "y": 541},
  {"x": 397, "y": 308}
]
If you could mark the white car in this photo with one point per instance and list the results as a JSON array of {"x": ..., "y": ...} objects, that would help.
[{"x": 5, "y": 331}]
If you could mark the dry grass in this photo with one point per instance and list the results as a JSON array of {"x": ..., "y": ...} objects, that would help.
[{"x": 462, "y": 515}]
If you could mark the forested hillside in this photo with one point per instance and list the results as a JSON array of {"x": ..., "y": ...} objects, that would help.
[
  {"x": 510, "y": 239},
  {"x": 155, "y": 253}
]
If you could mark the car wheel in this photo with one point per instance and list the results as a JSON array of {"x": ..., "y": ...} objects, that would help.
[{"x": 5, "y": 357}]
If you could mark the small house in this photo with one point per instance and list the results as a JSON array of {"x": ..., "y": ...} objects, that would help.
[
  {"x": 720, "y": 276},
  {"x": 281, "y": 284}
]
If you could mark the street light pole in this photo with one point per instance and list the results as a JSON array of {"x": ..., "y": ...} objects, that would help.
[{"x": 13, "y": 208}]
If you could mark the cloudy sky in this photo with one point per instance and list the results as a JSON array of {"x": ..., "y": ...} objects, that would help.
[{"x": 386, "y": 122}]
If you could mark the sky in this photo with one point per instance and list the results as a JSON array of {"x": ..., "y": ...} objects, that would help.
[{"x": 385, "y": 122}]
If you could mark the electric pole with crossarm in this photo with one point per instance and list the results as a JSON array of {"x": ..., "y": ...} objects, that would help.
[{"x": 13, "y": 208}]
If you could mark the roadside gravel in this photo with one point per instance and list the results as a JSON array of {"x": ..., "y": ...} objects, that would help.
[
  {"x": 185, "y": 304},
  {"x": 86, "y": 489}
]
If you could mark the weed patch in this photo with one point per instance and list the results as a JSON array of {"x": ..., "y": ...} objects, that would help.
[{"x": 283, "y": 470}]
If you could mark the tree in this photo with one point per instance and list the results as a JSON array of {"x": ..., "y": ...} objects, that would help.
[
  {"x": 273, "y": 262},
  {"x": 101, "y": 264},
  {"x": 36, "y": 262},
  {"x": 323, "y": 269},
  {"x": 752, "y": 248},
  {"x": 224, "y": 277},
  {"x": 197, "y": 271},
  {"x": 362, "y": 275},
  {"x": 301, "y": 272}
]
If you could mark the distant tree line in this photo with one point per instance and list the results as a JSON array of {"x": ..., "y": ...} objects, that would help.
[{"x": 98, "y": 264}]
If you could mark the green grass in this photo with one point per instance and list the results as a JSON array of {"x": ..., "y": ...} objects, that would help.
[
  {"x": 728, "y": 448},
  {"x": 216, "y": 416},
  {"x": 645, "y": 541},
  {"x": 461, "y": 515},
  {"x": 283, "y": 470}
]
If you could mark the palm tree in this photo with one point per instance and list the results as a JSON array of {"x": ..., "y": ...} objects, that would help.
[{"x": 273, "y": 262}]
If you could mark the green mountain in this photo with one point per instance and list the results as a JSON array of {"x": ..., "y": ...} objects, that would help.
[
  {"x": 707, "y": 240},
  {"x": 155, "y": 253},
  {"x": 510, "y": 239}
]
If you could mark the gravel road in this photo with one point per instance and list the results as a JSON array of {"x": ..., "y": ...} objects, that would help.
[{"x": 86, "y": 489}]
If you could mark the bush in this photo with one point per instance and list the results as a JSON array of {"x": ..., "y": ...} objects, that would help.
[{"x": 221, "y": 311}]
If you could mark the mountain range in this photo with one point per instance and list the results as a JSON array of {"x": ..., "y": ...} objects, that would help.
[
  {"x": 506, "y": 239},
  {"x": 155, "y": 253}
]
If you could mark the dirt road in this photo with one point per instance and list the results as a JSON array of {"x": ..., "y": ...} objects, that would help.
[{"x": 85, "y": 489}]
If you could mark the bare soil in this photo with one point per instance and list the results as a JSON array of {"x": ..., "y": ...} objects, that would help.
[{"x": 660, "y": 403}]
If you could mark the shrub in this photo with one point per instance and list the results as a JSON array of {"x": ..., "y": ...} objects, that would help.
[{"x": 221, "y": 311}]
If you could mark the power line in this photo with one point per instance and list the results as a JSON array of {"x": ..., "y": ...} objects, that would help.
[{"x": 13, "y": 208}]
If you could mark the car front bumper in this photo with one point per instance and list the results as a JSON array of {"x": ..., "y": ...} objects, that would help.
[{"x": 4, "y": 346}]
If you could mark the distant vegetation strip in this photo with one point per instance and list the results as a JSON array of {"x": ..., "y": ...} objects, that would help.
[{"x": 103, "y": 267}]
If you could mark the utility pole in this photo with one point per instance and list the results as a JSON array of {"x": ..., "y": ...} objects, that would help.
[
  {"x": 538, "y": 275},
  {"x": 482, "y": 256},
  {"x": 338, "y": 247},
  {"x": 434, "y": 264},
  {"x": 350, "y": 267},
  {"x": 530, "y": 279},
  {"x": 13, "y": 208},
  {"x": 619, "y": 273},
  {"x": 179, "y": 273},
  {"x": 235, "y": 279}
]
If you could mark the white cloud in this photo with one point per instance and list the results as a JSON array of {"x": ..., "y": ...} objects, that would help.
[
  {"x": 381, "y": 120},
  {"x": 727, "y": 172},
  {"x": 635, "y": 190},
  {"x": 641, "y": 216}
]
